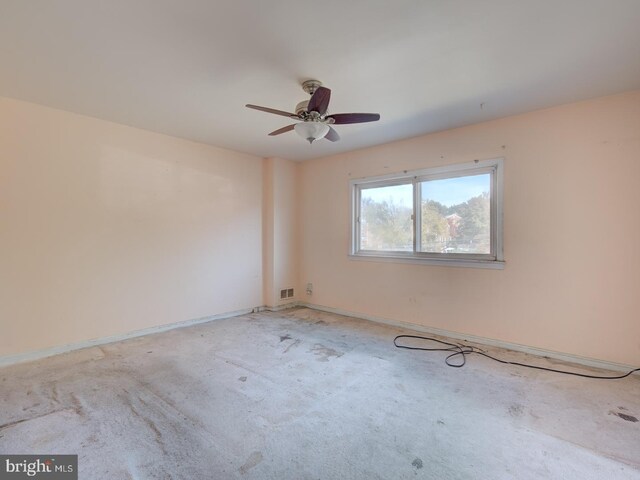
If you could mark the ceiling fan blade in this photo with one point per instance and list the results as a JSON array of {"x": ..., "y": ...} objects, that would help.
[
  {"x": 319, "y": 101},
  {"x": 342, "y": 118},
  {"x": 272, "y": 110},
  {"x": 332, "y": 135},
  {"x": 288, "y": 128}
]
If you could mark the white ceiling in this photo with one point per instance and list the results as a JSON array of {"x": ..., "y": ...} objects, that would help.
[{"x": 187, "y": 68}]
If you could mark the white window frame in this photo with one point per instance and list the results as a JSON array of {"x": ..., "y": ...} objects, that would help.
[{"x": 493, "y": 260}]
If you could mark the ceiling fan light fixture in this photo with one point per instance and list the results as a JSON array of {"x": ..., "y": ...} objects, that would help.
[{"x": 311, "y": 130}]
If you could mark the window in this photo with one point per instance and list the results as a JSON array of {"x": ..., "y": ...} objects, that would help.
[{"x": 445, "y": 215}]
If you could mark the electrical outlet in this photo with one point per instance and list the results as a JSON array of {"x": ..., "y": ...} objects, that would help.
[{"x": 309, "y": 288}]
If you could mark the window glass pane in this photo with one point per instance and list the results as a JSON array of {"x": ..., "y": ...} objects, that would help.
[
  {"x": 456, "y": 215},
  {"x": 385, "y": 218}
]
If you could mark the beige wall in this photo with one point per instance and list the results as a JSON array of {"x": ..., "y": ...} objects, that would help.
[
  {"x": 106, "y": 229},
  {"x": 571, "y": 240},
  {"x": 280, "y": 230}
]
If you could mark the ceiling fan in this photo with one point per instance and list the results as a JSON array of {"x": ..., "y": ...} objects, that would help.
[{"x": 315, "y": 122}]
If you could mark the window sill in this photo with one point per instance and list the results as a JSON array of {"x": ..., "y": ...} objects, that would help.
[{"x": 441, "y": 262}]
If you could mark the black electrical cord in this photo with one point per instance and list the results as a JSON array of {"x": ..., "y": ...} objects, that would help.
[{"x": 462, "y": 350}]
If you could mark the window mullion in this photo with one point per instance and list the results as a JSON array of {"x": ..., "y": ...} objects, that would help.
[{"x": 417, "y": 216}]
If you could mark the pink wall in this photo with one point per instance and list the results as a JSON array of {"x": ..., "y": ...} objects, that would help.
[
  {"x": 571, "y": 228},
  {"x": 107, "y": 229},
  {"x": 280, "y": 230}
]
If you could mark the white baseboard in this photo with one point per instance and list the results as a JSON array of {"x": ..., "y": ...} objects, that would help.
[
  {"x": 279, "y": 308},
  {"x": 566, "y": 357},
  {"x": 588, "y": 362},
  {"x": 7, "y": 360}
]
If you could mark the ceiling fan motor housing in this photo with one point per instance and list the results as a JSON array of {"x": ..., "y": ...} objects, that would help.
[{"x": 302, "y": 107}]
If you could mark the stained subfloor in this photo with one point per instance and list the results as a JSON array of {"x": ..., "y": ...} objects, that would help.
[{"x": 303, "y": 394}]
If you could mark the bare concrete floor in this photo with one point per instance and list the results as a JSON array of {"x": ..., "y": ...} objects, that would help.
[{"x": 309, "y": 395}]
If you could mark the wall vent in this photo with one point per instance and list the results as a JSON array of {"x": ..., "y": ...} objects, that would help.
[{"x": 286, "y": 293}]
